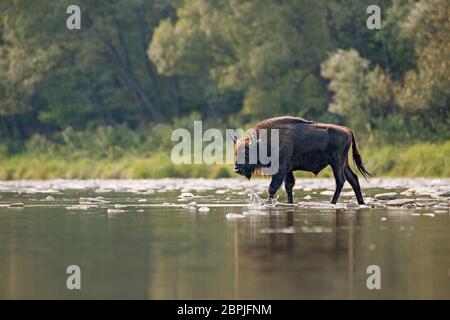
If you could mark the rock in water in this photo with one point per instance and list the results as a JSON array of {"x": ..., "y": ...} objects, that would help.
[
  {"x": 233, "y": 216},
  {"x": 16, "y": 205},
  {"x": 186, "y": 195},
  {"x": 386, "y": 196},
  {"x": 111, "y": 211},
  {"x": 444, "y": 194},
  {"x": 400, "y": 202},
  {"x": 203, "y": 209},
  {"x": 96, "y": 200}
]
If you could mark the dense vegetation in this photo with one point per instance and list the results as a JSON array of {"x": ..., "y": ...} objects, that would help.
[{"x": 102, "y": 101}]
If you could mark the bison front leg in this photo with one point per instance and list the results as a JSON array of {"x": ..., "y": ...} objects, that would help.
[
  {"x": 276, "y": 182},
  {"x": 289, "y": 183}
]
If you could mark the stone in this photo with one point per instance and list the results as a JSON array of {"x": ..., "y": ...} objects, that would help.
[
  {"x": 233, "y": 216},
  {"x": 444, "y": 193},
  {"x": 186, "y": 195},
  {"x": 16, "y": 205},
  {"x": 386, "y": 196},
  {"x": 111, "y": 211},
  {"x": 203, "y": 209},
  {"x": 399, "y": 202},
  {"x": 96, "y": 200}
]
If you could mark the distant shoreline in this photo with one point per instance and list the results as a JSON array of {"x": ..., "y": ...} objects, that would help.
[{"x": 429, "y": 160}]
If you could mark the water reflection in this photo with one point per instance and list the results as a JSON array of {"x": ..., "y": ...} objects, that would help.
[
  {"x": 174, "y": 253},
  {"x": 330, "y": 260}
]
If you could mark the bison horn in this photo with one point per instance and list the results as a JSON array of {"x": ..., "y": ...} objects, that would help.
[{"x": 234, "y": 138}]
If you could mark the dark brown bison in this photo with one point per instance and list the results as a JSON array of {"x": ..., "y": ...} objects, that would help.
[{"x": 307, "y": 146}]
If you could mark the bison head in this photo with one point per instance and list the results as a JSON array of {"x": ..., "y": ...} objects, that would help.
[{"x": 245, "y": 151}]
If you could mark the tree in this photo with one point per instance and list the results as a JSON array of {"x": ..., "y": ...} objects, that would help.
[{"x": 269, "y": 50}]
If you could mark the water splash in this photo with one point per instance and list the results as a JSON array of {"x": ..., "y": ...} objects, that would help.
[{"x": 256, "y": 202}]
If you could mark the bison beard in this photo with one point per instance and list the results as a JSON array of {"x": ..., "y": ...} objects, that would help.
[{"x": 308, "y": 146}]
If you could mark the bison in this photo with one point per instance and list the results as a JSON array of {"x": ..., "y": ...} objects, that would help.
[{"x": 307, "y": 146}]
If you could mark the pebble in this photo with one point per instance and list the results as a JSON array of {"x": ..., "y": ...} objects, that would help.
[
  {"x": 50, "y": 198},
  {"x": 96, "y": 200},
  {"x": 109, "y": 211},
  {"x": 203, "y": 209},
  {"x": 399, "y": 202},
  {"x": 327, "y": 193},
  {"x": 233, "y": 216},
  {"x": 444, "y": 193},
  {"x": 16, "y": 205},
  {"x": 409, "y": 206},
  {"x": 191, "y": 206},
  {"x": 441, "y": 205},
  {"x": 386, "y": 196},
  {"x": 352, "y": 205},
  {"x": 80, "y": 207},
  {"x": 186, "y": 195}
]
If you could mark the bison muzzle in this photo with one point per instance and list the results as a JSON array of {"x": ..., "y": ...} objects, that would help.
[{"x": 307, "y": 146}]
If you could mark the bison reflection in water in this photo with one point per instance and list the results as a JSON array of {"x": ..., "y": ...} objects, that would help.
[{"x": 307, "y": 146}]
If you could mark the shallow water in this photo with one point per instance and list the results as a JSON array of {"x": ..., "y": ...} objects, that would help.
[{"x": 146, "y": 239}]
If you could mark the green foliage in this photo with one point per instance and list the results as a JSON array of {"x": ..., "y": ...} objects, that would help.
[
  {"x": 257, "y": 47},
  {"x": 115, "y": 90}
]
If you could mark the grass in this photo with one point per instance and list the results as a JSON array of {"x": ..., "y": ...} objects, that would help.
[{"x": 418, "y": 160}]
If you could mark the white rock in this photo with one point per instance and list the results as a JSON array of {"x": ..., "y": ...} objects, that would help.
[
  {"x": 221, "y": 191},
  {"x": 203, "y": 209},
  {"x": 186, "y": 195},
  {"x": 96, "y": 200},
  {"x": 386, "y": 196},
  {"x": 400, "y": 202},
  {"x": 444, "y": 194},
  {"x": 110, "y": 211}
]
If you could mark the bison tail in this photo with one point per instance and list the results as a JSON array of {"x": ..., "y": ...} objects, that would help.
[{"x": 357, "y": 158}]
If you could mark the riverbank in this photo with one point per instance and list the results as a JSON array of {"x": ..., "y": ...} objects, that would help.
[{"x": 418, "y": 160}]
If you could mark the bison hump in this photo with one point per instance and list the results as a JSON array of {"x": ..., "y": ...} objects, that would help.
[{"x": 282, "y": 120}]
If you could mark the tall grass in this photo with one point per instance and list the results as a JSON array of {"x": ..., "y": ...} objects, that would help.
[
  {"x": 419, "y": 160},
  {"x": 119, "y": 152}
]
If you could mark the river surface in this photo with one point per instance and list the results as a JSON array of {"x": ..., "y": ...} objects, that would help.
[{"x": 216, "y": 239}]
